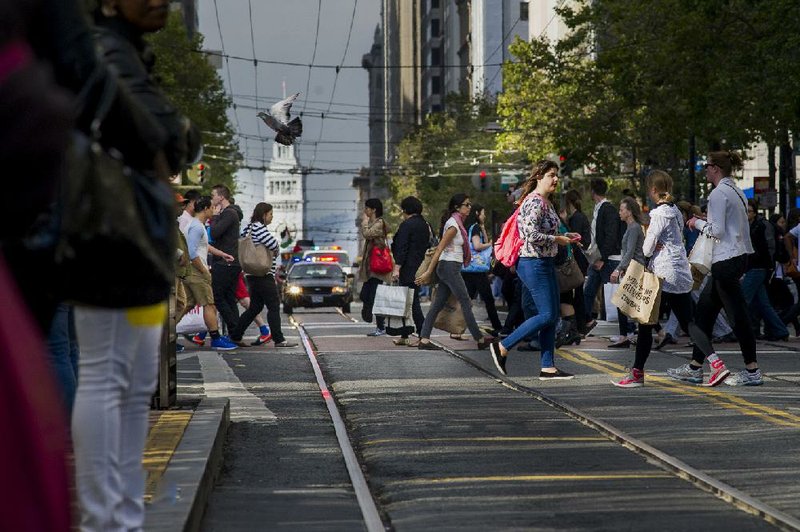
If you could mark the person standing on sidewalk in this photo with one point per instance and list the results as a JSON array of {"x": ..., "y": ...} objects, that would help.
[
  {"x": 409, "y": 245},
  {"x": 263, "y": 290},
  {"x": 604, "y": 251},
  {"x": 631, "y": 214},
  {"x": 727, "y": 223},
  {"x": 664, "y": 243},
  {"x": 224, "y": 274},
  {"x": 197, "y": 283},
  {"x": 374, "y": 231},
  {"x": 538, "y": 225},
  {"x": 451, "y": 254},
  {"x": 118, "y": 365}
]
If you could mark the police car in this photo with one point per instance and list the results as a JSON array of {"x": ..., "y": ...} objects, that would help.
[{"x": 332, "y": 254}]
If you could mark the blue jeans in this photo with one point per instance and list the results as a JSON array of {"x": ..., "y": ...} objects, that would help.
[
  {"x": 754, "y": 289},
  {"x": 538, "y": 276},
  {"x": 595, "y": 278},
  {"x": 62, "y": 346}
]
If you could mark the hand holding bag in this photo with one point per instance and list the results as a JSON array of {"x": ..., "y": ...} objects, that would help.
[
  {"x": 639, "y": 295},
  {"x": 702, "y": 253},
  {"x": 393, "y": 301},
  {"x": 255, "y": 259}
]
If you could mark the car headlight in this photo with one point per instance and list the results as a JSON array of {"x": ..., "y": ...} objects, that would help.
[
  {"x": 339, "y": 290},
  {"x": 295, "y": 290}
]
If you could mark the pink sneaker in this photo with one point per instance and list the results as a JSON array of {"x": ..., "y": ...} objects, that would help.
[
  {"x": 635, "y": 379},
  {"x": 718, "y": 372}
]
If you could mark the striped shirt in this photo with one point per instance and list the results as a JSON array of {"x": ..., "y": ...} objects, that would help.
[{"x": 261, "y": 235}]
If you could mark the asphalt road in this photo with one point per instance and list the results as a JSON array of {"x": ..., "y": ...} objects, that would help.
[{"x": 446, "y": 446}]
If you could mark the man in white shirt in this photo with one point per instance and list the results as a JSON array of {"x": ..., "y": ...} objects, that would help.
[{"x": 187, "y": 215}]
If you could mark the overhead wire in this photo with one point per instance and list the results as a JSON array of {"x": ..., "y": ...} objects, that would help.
[
  {"x": 335, "y": 80},
  {"x": 255, "y": 70},
  {"x": 227, "y": 65}
]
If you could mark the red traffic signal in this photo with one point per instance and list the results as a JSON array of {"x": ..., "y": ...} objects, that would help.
[
  {"x": 483, "y": 174},
  {"x": 562, "y": 158}
]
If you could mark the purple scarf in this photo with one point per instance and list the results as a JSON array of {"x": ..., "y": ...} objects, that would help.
[{"x": 466, "y": 246}]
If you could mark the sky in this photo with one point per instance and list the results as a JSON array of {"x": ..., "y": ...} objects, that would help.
[{"x": 286, "y": 31}]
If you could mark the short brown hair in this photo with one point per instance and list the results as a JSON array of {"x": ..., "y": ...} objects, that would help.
[
  {"x": 727, "y": 160},
  {"x": 223, "y": 191}
]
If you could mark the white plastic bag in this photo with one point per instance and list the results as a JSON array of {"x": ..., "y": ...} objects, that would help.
[
  {"x": 702, "y": 253},
  {"x": 192, "y": 322},
  {"x": 393, "y": 301}
]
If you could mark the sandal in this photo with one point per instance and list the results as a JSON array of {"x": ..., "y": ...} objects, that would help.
[
  {"x": 427, "y": 346},
  {"x": 456, "y": 337}
]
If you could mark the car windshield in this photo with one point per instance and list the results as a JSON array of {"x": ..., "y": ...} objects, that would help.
[
  {"x": 315, "y": 270},
  {"x": 329, "y": 256}
]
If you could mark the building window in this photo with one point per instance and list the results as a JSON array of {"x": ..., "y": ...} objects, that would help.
[
  {"x": 436, "y": 85},
  {"x": 435, "y": 28},
  {"x": 436, "y": 56},
  {"x": 436, "y": 108},
  {"x": 523, "y": 10},
  {"x": 434, "y": 4}
]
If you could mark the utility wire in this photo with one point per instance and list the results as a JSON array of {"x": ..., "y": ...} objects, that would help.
[
  {"x": 227, "y": 65},
  {"x": 255, "y": 72},
  {"x": 313, "y": 55}
]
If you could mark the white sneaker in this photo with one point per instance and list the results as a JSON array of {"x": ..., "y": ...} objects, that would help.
[{"x": 377, "y": 332}]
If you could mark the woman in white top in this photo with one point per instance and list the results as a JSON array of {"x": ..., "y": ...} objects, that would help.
[
  {"x": 451, "y": 255},
  {"x": 664, "y": 244},
  {"x": 727, "y": 223}
]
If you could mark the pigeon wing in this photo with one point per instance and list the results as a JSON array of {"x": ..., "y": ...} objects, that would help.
[
  {"x": 271, "y": 122},
  {"x": 281, "y": 109}
]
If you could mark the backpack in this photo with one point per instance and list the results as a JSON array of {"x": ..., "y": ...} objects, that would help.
[{"x": 508, "y": 244}]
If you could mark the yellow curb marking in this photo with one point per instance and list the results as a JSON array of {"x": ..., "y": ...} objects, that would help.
[
  {"x": 486, "y": 439},
  {"x": 532, "y": 478},
  {"x": 162, "y": 441},
  {"x": 732, "y": 402}
]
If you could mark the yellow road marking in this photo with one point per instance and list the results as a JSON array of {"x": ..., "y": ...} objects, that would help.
[
  {"x": 486, "y": 439},
  {"x": 725, "y": 400},
  {"x": 532, "y": 478},
  {"x": 162, "y": 440}
]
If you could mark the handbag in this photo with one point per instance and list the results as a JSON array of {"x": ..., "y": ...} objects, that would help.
[
  {"x": 481, "y": 261},
  {"x": 392, "y": 300},
  {"x": 380, "y": 259},
  {"x": 702, "y": 253},
  {"x": 113, "y": 227},
  {"x": 451, "y": 318},
  {"x": 509, "y": 244},
  {"x": 255, "y": 259},
  {"x": 569, "y": 275},
  {"x": 433, "y": 243},
  {"x": 639, "y": 295}
]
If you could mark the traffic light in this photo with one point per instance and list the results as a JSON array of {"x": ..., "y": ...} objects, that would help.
[
  {"x": 482, "y": 176},
  {"x": 197, "y": 173},
  {"x": 565, "y": 165},
  {"x": 201, "y": 171}
]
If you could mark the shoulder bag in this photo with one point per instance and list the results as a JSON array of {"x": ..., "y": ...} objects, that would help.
[
  {"x": 508, "y": 244},
  {"x": 380, "y": 256},
  {"x": 255, "y": 259},
  {"x": 433, "y": 242},
  {"x": 481, "y": 260}
]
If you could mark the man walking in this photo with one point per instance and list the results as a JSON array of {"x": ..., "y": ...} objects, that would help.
[
  {"x": 198, "y": 281},
  {"x": 604, "y": 251},
  {"x": 225, "y": 236}
]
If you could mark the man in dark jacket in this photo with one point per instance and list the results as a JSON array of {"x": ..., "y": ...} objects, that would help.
[
  {"x": 759, "y": 270},
  {"x": 224, "y": 274},
  {"x": 604, "y": 251},
  {"x": 412, "y": 239}
]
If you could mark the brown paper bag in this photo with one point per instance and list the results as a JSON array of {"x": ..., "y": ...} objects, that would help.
[
  {"x": 451, "y": 318},
  {"x": 639, "y": 295}
]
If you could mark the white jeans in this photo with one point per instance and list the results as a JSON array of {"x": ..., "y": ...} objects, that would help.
[{"x": 118, "y": 370}]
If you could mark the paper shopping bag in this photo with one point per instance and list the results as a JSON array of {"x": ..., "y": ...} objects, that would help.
[
  {"x": 393, "y": 301},
  {"x": 639, "y": 295},
  {"x": 451, "y": 318}
]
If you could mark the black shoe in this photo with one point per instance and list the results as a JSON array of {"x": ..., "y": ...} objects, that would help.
[
  {"x": 529, "y": 346},
  {"x": 556, "y": 375},
  {"x": 498, "y": 359},
  {"x": 429, "y": 346},
  {"x": 668, "y": 339},
  {"x": 622, "y": 344},
  {"x": 505, "y": 332},
  {"x": 586, "y": 329},
  {"x": 777, "y": 338}
]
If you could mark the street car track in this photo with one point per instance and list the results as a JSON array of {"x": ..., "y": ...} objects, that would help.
[{"x": 669, "y": 463}]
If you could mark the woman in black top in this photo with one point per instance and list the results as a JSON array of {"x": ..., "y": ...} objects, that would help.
[
  {"x": 577, "y": 222},
  {"x": 478, "y": 282}
]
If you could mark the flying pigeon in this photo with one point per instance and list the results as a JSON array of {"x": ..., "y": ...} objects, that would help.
[{"x": 278, "y": 119}]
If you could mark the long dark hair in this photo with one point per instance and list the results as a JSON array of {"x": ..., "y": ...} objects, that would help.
[
  {"x": 375, "y": 203},
  {"x": 259, "y": 212},
  {"x": 477, "y": 208},
  {"x": 537, "y": 172}
]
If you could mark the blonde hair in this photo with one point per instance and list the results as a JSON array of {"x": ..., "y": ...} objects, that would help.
[
  {"x": 662, "y": 183},
  {"x": 727, "y": 160}
]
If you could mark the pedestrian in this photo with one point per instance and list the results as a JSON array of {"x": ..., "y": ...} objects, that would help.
[
  {"x": 577, "y": 222},
  {"x": 538, "y": 229},
  {"x": 409, "y": 245},
  {"x": 225, "y": 236},
  {"x": 263, "y": 289},
  {"x": 567, "y": 328},
  {"x": 727, "y": 223},
  {"x": 760, "y": 267},
  {"x": 478, "y": 282},
  {"x": 663, "y": 248},
  {"x": 118, "y": 365},
  {"x": 197, "y": 283},
  {"x": 632, "y": 240},
  {"x": 604, "y": 251},
  {"x": 452, "y": 253},
  {"x": 374, "y": 231}
]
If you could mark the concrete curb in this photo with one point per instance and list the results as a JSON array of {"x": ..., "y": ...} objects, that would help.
[{"x": 184, "y": 489}]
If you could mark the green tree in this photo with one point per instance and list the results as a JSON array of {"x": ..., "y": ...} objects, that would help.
[
  {"x": 196, "y": 89},
  {"x": 445, "y": 155}
]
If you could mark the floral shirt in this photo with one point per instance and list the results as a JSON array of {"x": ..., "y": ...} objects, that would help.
[{"x": 537, "y": 224}]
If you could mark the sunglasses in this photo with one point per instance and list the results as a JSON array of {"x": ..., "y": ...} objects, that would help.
[
  {"x": 466, "y": 205},
  {"x": 709, "y": 165}
]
